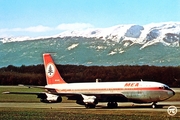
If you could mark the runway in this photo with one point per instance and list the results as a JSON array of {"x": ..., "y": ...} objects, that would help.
[
  {"x": 73, "y": 110},
  {"x": 162, "y": 106}
]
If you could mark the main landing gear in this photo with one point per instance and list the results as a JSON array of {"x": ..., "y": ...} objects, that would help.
[
  {"x": 90, "y": 105},
  {"x": 112, "y": 105}
]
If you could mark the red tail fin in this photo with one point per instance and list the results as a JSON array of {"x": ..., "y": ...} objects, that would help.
[{"x": 52, "y": 74}]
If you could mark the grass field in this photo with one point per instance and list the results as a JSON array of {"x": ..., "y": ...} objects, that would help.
[{"x": 81, "y": 114}]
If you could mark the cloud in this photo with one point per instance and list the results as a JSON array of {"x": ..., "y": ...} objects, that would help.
[
  {"x": 74, "y": 26},
  {"x": 41, "y": 28},
  {"x": 38, "y": 28}
]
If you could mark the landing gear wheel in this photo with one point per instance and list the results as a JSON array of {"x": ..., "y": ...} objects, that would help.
[
  {"x": 112, "y": 105},
  {"x": 90, "y": 105},
  {"x": 154, "y": 105}
]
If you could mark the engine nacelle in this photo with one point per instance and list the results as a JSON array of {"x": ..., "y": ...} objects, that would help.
[
  {"x": 49, "y": 98},
  {"x": 87, "y": 100},
  {"x": 80, "y": 102}
]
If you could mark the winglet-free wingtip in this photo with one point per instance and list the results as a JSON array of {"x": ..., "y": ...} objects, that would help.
[
  {"x": 5, "y": 92},
  {"x": 20, "y": 85}
]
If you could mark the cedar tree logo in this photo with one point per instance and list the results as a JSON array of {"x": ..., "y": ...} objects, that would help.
[{"x": 50, "y": 70}]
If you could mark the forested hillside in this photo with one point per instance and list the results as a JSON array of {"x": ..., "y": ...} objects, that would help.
[{"x": 35, "y": 75}]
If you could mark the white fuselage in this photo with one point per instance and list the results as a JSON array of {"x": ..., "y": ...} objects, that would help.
[{"x": 141, "y": 92}]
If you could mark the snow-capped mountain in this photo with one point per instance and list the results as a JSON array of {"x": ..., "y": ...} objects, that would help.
[{"x": 166, "y": 33}]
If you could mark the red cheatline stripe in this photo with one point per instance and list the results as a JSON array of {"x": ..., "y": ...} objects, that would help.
[{"x": 110, "y": 89}]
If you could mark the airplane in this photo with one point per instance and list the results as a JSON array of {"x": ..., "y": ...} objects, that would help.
[{"x": 91, "y": 93}]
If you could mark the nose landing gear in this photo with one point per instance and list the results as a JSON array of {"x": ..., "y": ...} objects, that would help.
[{"x": 154, "y": 105}]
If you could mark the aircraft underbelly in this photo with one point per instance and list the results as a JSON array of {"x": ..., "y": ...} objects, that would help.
[{"x": 146, "y": 96}]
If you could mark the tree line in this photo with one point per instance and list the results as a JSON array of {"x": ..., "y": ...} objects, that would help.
[{"x": 35, "y": 74}]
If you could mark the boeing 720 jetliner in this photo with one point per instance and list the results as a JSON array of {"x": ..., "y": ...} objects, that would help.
[{"x": 89, "y": 94}]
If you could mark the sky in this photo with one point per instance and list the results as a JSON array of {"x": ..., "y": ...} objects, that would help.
[{"x": 36, "y": 18}]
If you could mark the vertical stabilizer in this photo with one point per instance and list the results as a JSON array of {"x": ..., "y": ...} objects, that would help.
[{"x": 52, "y": 74}]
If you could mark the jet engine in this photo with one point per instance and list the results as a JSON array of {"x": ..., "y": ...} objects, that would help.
[
  {"x": 49, "y": 98},
  {"x": 87, "y": 100}
]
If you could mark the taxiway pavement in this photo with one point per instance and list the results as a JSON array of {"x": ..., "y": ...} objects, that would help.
[{"x": 162, "y": 106}]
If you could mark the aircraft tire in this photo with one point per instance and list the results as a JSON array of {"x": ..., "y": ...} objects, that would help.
[
  {"x": 112, "y": 105},
  {"x": 90, "y": 105},
  {"x": 154, "y": 105}
]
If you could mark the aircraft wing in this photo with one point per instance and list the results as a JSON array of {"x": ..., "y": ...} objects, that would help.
[
  {"x": 51, "y": 92},
  {"x": 31, "y": 86},
  {"x": 32, "y": 93}
]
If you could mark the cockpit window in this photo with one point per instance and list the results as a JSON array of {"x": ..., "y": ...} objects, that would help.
[{"x": 164, "y": 88}]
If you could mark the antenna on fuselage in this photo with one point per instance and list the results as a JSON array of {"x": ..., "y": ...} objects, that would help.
[{"x": 98, "y": 80}]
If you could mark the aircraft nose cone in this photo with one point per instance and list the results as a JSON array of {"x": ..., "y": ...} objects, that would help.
[{"x": 173, "y": 92}]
